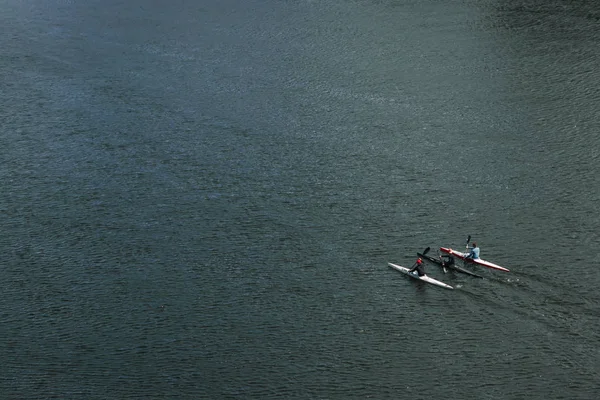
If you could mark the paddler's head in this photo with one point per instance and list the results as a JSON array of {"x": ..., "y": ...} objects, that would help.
[{"x": 474, "y": 244}]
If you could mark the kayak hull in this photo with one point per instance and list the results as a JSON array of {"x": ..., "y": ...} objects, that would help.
[
  {"x": 477, "y": 261},
  {"x": 425, "y": 278},
  {"x": 453, "y": 266}
]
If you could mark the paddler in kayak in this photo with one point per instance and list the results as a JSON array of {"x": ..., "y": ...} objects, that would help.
[
  {"x": 474, "y": 251},
  {"x": 447, "y": 260},
  {"x": 419, "y": 267}
]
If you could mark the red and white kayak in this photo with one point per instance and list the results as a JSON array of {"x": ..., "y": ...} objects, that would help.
[{"x": 478, "y": 261}]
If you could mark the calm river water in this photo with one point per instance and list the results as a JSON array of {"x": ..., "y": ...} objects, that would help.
[{"x": 199, "y": 198}]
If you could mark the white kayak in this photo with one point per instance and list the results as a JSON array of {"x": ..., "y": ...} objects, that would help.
[{"x": 424, "y": 278}]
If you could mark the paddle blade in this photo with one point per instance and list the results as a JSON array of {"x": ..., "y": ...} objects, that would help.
[
  {"x": 426, "y": 250},
  {"x": 468, "y": 239}
]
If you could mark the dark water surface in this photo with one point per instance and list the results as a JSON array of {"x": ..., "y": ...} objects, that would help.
[{"x": 199, "y": 198}]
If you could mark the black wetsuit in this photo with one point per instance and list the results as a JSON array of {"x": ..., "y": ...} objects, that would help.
[
  {"x": 420, "y": 269},
  {"x": 447, "y": 261}
]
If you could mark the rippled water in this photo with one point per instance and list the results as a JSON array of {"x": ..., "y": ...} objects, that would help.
[{"x": 200, "y": 199}]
